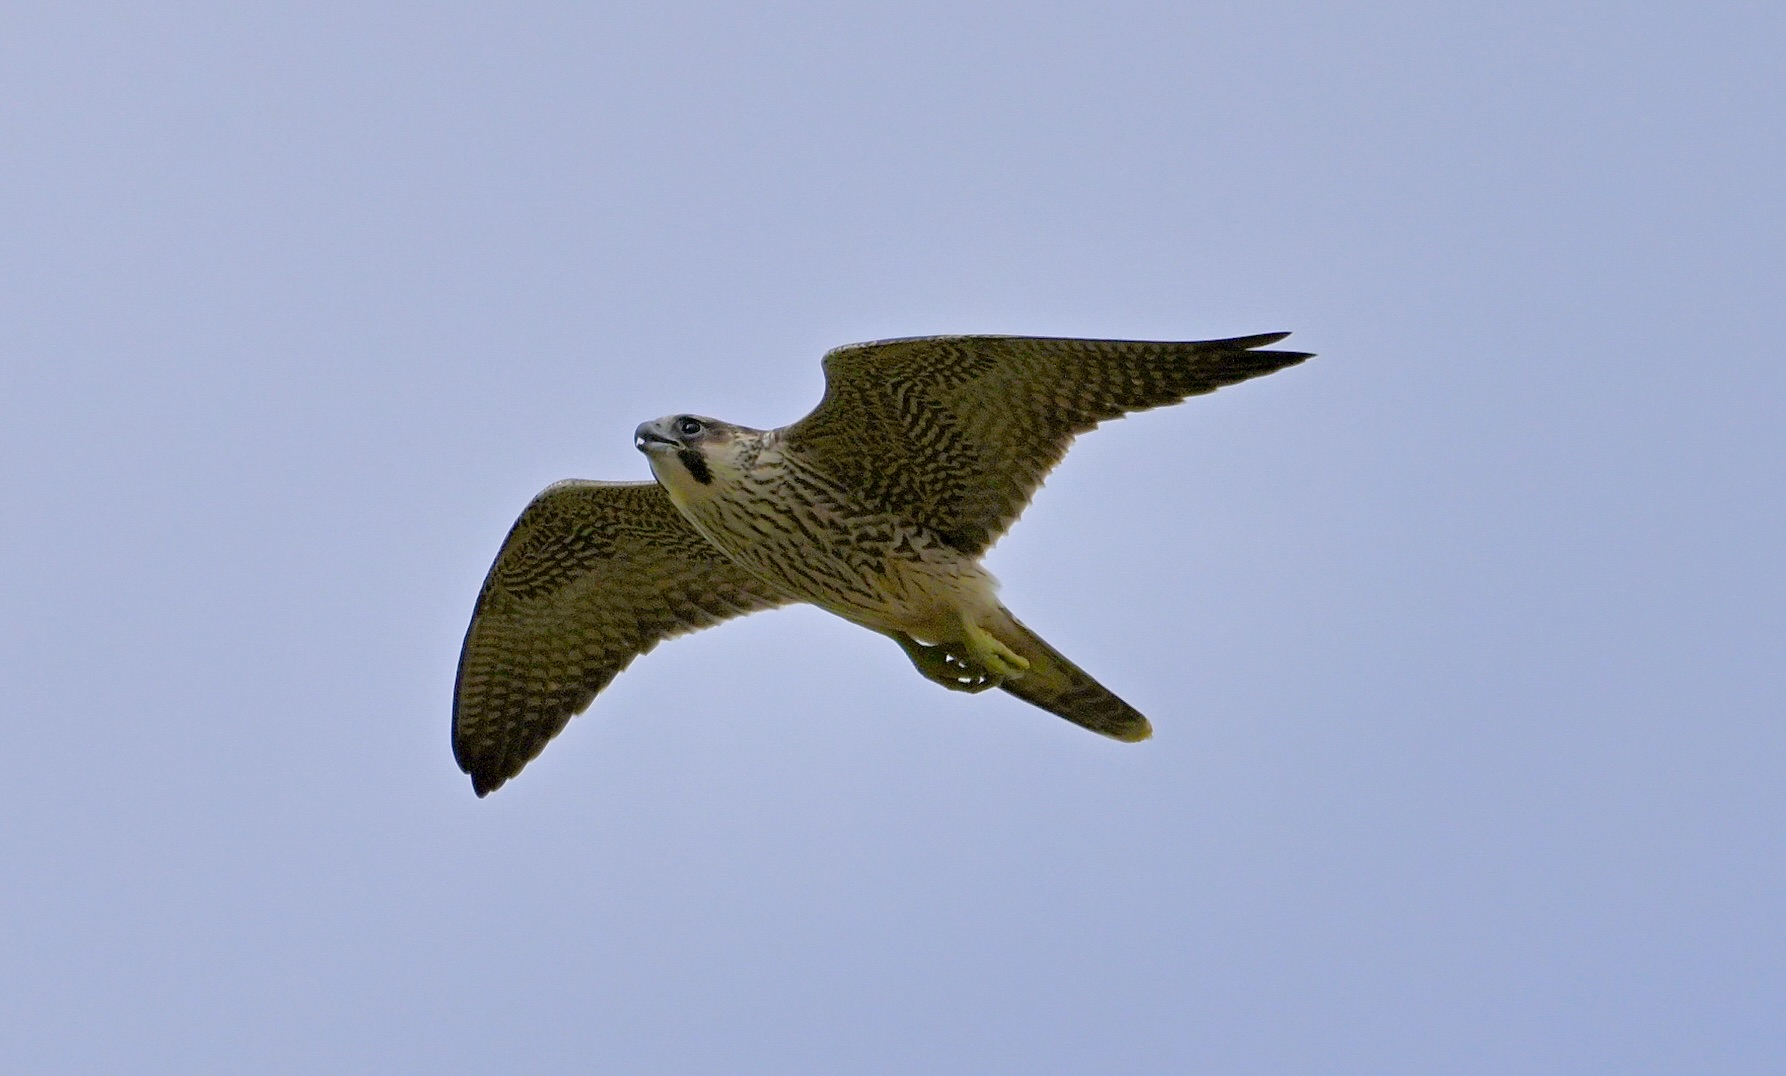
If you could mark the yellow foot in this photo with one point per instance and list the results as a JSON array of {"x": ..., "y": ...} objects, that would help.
[{"x": 992, "y": 655}]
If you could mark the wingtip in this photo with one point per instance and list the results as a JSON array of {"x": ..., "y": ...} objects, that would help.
[{"x": 1263, "y": 340}]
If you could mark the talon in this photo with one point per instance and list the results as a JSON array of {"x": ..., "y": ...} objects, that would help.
[{"x": 937, "y": 663}]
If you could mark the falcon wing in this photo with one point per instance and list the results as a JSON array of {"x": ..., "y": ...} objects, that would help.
[
  {"x": 592, "y": 575},
  {"x": 956, "y": 432}
]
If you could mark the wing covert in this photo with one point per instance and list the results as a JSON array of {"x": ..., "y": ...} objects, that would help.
[
  {"x": 957, "y": 432},
  {"x": 592, "y": 575}
]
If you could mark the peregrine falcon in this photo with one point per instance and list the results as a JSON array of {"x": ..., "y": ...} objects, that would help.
[{"x": 877, "y": 507}]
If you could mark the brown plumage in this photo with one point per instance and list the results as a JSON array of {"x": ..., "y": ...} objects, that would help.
[{"x": 876, "y": 506}]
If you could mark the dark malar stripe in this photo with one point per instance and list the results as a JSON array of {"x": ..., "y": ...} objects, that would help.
[{"x": 697, "y": 466}]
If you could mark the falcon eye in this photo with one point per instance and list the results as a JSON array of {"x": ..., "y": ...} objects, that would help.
[{"x": 688, "y": 427}]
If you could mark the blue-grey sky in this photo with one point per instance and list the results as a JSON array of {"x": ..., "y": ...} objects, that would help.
[{"x": 1463, "y": 641}]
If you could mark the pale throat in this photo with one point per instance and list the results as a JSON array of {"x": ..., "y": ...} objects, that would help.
[
  {"x": 676, "y": 481},
  {"x": 686, "y": 491}
]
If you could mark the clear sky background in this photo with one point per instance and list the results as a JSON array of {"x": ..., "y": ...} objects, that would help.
[{"x": 1463, "y": 641}]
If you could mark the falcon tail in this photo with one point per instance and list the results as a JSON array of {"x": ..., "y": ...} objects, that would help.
[{"x": 1064, "y": 689}]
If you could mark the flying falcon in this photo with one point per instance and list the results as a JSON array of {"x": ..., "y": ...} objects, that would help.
[{"x": 877, "y": 507}]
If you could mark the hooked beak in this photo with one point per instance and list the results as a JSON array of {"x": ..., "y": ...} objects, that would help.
[{"x": 651, "y": 437}]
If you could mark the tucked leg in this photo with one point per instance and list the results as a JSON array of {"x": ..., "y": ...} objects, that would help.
[
  {"x": 944, "y": 664},
  {"x": 988, "y": 653}
]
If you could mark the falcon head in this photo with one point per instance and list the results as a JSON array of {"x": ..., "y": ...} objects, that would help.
[{"x": 688, "y": 452}]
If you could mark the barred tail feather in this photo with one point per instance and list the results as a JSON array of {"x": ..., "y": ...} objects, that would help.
[{"x": 1064, "y": 689}]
